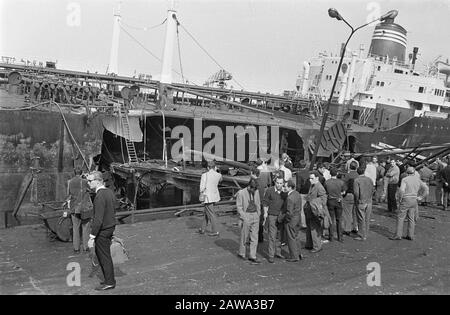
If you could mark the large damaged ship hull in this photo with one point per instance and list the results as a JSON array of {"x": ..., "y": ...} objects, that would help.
[{"x": 39, "y": 148}]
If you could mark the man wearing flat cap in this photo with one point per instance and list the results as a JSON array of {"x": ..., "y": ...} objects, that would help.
[
  {"x": 103, "y": 226},
  {"x": 411, "y": 189}
]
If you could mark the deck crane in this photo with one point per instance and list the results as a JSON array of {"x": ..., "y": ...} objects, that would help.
[{"x": 218, "y": 79}]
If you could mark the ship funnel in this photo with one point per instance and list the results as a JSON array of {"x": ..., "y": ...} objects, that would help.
[{"x": 389, "y": 39}]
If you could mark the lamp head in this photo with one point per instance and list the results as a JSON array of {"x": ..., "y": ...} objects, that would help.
[{"x": 333, "y": 13}]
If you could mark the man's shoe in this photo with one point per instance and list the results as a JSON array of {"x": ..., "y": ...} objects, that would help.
[
  {"x": 316, "y": 250},
  {"x": 104, "y": 287},
  {"x": 241, "y": 257},
  {"x": 409, "y": 238},
  {"x": 346, "y": 233},
  {"x": 395, "y": 238},
  {"x": 255, "y": 261},
  {"x": 308, "y": 248},
  {"x": 213, "y": 234},
  {"x": 280, "y": 256},
  {"x": 271, "y": 260}
]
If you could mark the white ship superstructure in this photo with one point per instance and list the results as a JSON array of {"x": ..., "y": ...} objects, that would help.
[{"x": 380, "y": 81}]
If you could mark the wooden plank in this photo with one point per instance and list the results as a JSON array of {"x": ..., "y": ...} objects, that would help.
[{"x": 26, "y": 182}]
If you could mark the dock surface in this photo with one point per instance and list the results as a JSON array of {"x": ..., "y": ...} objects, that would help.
[{"x": 168, "y": 257}]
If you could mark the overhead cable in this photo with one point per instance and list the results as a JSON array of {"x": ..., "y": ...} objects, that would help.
[
  {"x": 206, "y": 52},
  {"x": 143, "y": 28},
  {"x": 149, "y": 51}
]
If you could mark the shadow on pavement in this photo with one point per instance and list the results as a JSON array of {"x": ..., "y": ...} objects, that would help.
[
  {"x": 382, "y": 230},
  {"x": 228, "y": 244},
  {"x": 194, "y": 223}
]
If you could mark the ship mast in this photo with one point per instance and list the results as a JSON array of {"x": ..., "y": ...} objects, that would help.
[
  {"x": 113, "y": 58},
  {"x": 171, "y": 26}
]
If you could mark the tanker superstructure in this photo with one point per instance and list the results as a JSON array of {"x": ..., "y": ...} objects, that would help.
[{"x": 382, "y": 89}]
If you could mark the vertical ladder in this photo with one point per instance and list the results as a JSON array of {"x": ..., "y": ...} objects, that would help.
[
  {"x": 316, "y": 102},
  {"x": 131, "y": 150},
  {"x": 370, "y": 82}
]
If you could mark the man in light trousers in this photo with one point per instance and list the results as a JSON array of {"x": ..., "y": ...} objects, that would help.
[
  {"x": 363, "y": 191},
  {"x": 249, "y": 209},
  {"x": 409, "y": 193},
  {"x": 209, "y": 184}
]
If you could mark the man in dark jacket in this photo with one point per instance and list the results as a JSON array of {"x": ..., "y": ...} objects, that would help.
[
  {"x": 272, "y": 204},
  {"x": 103, "y": 226},
  {"x": 349, "y": 221},
  {"x": 335, "y": 189},
  {"x": 292, "y": 221},
  {"x": 392, "y": 177},
  {"x": 303, "y": 185},
  {"x": 79, "y": 202},
  {"x": 445, "y": 177},
  {"x": 313, "y": 222}
]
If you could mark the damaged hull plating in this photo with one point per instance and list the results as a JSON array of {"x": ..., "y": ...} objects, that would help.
[{"x": 37, "y": 142}]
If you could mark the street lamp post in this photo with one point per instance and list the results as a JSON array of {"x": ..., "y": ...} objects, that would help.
[{"x": 333, "y": 13}]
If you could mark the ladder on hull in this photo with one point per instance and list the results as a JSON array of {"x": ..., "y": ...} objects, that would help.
[{"x": 131, "y": 150}]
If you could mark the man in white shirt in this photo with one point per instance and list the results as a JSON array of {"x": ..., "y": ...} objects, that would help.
[
  {"x": 209, "y": 187},
  {"x": 287, "y": 172},
  {"x": 371, "y": 170},
  {"x": 352, "y": 159},
  {"x": 323, "y": 170}
]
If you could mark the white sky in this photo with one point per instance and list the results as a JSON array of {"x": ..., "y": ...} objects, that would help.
[{"x": 262, "y": 43}]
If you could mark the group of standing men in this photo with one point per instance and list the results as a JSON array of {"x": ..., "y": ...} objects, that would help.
[{"x": 318, "y": 201}]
